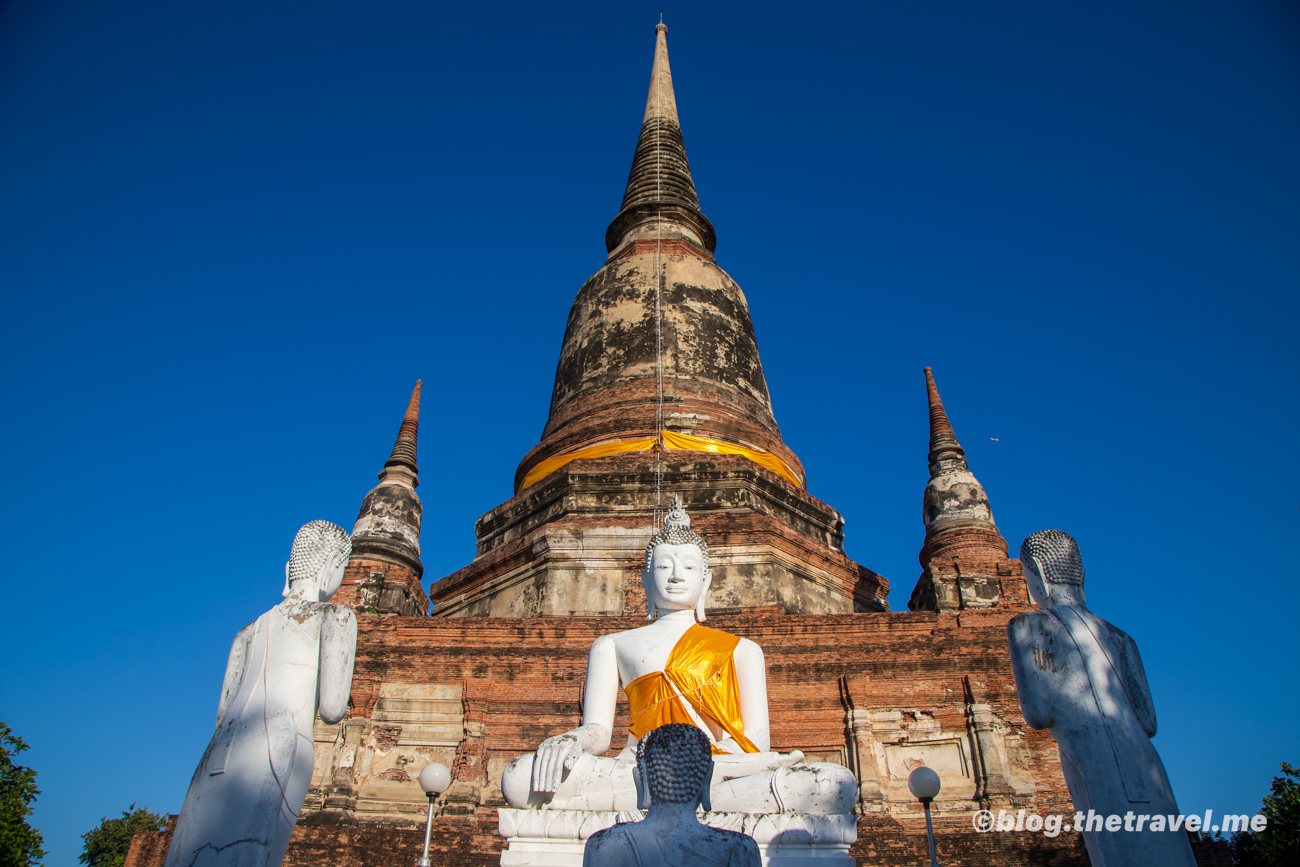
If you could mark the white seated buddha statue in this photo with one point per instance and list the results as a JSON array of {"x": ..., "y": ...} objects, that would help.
[{"x": 674, "y": 670}]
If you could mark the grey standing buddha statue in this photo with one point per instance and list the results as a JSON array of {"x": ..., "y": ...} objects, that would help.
[
  {"x": 1082, "y": 679},
  {"x": 244, "y": 798}
]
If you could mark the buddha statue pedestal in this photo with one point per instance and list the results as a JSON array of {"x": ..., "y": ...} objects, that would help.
[{"x": 555, "y": 838}]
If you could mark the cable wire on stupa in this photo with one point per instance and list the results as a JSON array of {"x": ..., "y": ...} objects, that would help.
[{"x": 658, "y": 278}]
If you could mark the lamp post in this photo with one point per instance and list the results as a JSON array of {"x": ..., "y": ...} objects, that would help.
[
  {"x": 924, "y": 784},
  {"x": 434, "y": 779}
]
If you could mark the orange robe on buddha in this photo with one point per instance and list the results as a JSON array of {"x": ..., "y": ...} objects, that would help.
[{"x": 704, "y": 673}]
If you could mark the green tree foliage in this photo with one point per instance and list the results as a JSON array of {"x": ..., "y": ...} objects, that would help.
[
  {"x": 107, "y": 844},
  {"x": 1278, "y": 845},
  {"x": 20, "y": 843}
]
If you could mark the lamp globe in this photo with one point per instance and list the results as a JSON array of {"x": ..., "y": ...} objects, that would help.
[
  {"x": 435, "y": 778},
  {"x": 923, "y": 783}
]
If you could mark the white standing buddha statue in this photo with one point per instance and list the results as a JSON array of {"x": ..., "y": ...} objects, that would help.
[
  {"x": 245, "y": 796},
  {"x": 1082, "y": 679},
  {"x": 674, "y": 670}
]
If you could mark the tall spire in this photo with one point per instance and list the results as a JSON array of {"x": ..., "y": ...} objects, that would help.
[
  {"x": 943, "y": 441},
  {"x": 661, "y": 102},
  {"x": 660, "y": 198},
  {"x": 400, "y": 466}
]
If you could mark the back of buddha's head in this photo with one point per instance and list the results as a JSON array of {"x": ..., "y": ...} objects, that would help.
[
  {"x": 314, "y": 547},
  {"x": 677, "y": 759},
  {"x": 1056, "y": 554}
]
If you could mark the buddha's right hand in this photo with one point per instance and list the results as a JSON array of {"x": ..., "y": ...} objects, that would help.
[
  {"x": 554, "y": 756},
  {"x": 729, "y": 767}
]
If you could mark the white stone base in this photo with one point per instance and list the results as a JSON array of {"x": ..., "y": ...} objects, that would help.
[{"x": 556, "y": 838}]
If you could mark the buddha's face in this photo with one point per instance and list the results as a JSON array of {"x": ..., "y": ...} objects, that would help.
[{"x": 678, "y": 578}]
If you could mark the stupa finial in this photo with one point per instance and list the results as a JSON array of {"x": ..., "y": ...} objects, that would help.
[
  {"x": 660, "y": 191},
  {"x": 943, "y": 440},
  {"x": 402, "y": 460}
]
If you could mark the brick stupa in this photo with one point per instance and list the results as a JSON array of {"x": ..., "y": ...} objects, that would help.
[{"x": 659, "y": 390}]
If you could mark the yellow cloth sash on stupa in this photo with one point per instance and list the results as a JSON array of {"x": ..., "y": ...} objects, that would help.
[
  {"x": 703, "y": 669},
  {"x": 671, "y": 441}
]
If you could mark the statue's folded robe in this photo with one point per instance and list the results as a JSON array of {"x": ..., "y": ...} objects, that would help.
[
  {"x": 702, "y": 667},
  {"x": 703, "y": 670}
]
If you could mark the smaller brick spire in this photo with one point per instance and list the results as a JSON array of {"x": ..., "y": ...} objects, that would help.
[
  {"x": 963, "y": 553},
  {"x": 957, "y": 514},
  {"x": 400, "y": 466},
  {"x": 943, "y": 440},
  {"x": 388, "y": 523}
]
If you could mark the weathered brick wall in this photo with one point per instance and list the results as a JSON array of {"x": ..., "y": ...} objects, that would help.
[
  {"x": 835, "y": 684},
  {"x": 149, "y": 848},
  {"x": 384, "y": 587},
  {"x": 890, "y": 841},
  {"x": 472, "y": 841},
  {"x": 957, "y": 584},
  {"x": 1210, "y": 852},
  {"x": 524, "y": 682},
  {"x": 456, "y": 841},
  {"x": 323, "y": 839},
  {"x": 564, "y": 546}
]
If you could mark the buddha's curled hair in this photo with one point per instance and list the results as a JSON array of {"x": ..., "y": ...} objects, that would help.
[
  {"x": 676, "y": 531},
  {"x": 677, "y": 759},
  {"x": 314, "y": 545},
  {"x": 1057, "y": 552}
]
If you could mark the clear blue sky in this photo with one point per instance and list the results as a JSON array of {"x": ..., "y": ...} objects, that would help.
[{"x": 233, "y": 234}]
